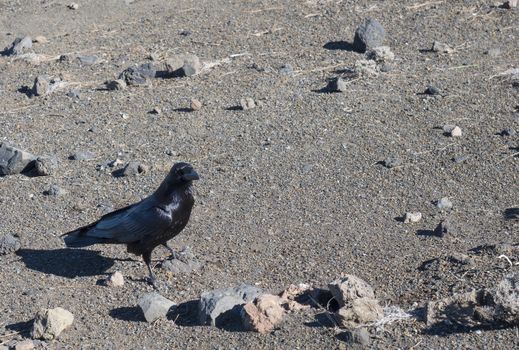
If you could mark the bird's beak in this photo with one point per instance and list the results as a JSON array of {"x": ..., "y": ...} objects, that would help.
[{"x": 192, "y": 175}]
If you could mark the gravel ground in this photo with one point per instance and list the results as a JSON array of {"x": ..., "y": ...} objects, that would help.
[{"x": 292, "y": 191}]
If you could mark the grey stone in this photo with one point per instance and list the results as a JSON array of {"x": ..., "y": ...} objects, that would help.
[
  {"x": 358, "y": 336},
  {"x": 195, "y": 104},
  {"x": 115, "y": 280},
  {"x": 73, "y": 94},
  {"x": 367, "y": 68},
  {"x": 441, "y": 48},
  {"x": 18, "y": 46},
  {"x": 183, "y": 65},
  {"x": 460, "y": 159},
  {"x": 493, "y": 52},
  {"x": 337, "y": 84},
  {"x": 44, "y": 166},
  {"x": 44, "y": 85},
  {"x": 286, "y": 69},
  {"x": 460, "y": 258},
  {"x": 184, "y": 263},
  {"x": 191, "y": 66},
  {"x": 452, "y": 130},
  {"x": 358, "y": 313},
  {"x": 134, "y": 168},
  {"x": 82, "y": 155},
  {"x": 54, "y": 190},
  {"x": 87, "y": 59},
  {"x": 222, "y": 305},
  {"x": 506, "y": 299},
  {"x": 349, "y": 288},
  {"x": 118, "y": 84},
  {"x": 247, "y": 103},
  {"x": 154, "y": 306},
  {"x": 49, "y": 323},
  {"x": 24, "y": 345},
  {"x": 392, "y": 162},
  {"x": 508, "y": 132},
  {"x": 138, "y": 75},
  {"x": 9, "y": 244},
  {"x": 380, "y": 54},
  {"x": 368, "y": 35},
  {"x": 444, "y": 203},
  {"x": 444, "y": 229},
  {"x": 410, "y": 217},
  {"x": 14, "y": 160},
  {"x": 432, "y": 90}
]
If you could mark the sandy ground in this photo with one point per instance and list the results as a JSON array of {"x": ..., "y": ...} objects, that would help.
[{"x": 292, "y": 191}]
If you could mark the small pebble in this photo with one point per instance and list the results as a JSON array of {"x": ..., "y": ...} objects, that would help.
[
  {"x": 156, "y": 110},
  {"x": 381, "y": 54},
  {"x": 54, "y": 190},
  {"x": 9, "y": 244},
  {"x": 247, "y": 103},
  {"x": 118, "y": 84},
  {"x": 444, "y": 203},
  {"x": 40, "y": 39},
  {"x": 508, "y": 132},
  {"x": 493, "y": 52},
  {"x": 392, "y": 162},
  {"x": 452, "y": 130},
  {"x": 134, "y": 168},
  {"x": 195, "y": 104},
  {"x": 441, "y": 47},
  {"x": 73, "y": 6},
  {"x": 44, "y": 166},
  {"x": 411, "y": 217},
  {"x": 510, "y": 4},
  {"x": 444, "y": 229},
  {"x": 186, "y": 33},
  {"x": 82, "y": 155},
  {"x": 73, "y": 94},
  {"x": 432, "y": 90},
  {"x": 460, "y": 159},
  {"x": 286, "y": 69},
  {"x": 24, "y": 345},
  {"x": 337, "y": 84},
  {"x": 116, "y": 279},
  {"x": 87, "y": 59}
]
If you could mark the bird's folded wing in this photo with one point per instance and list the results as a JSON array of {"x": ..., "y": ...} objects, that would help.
[{"x": 133, "y": 224}]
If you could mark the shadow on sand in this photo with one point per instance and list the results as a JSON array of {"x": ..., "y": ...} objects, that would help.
[{"x": 69, "y": 263}]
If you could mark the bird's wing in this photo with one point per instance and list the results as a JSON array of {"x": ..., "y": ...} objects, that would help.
[{"x": 133, "y": 224}]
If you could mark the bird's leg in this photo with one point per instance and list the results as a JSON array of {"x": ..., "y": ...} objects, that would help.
[
  {"x": 171, "y": 251},
  {"x": 147, "y": 260}
]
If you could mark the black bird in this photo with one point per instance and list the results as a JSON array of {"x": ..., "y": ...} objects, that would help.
[{"x": 147, "y": 224}]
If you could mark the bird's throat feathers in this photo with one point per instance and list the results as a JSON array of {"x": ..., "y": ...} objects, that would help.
[{"x": 169, "y": 192}]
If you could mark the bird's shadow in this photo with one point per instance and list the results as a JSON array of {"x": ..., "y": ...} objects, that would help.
[
  {"x": 426, "y": 233},
  {"x": 511, "y": 213},
  {"x": 26, "y": 90},
  {"x": 65, "y": 262},
  {"x": 23, "y": 328},
  {"x": 184, "y": 315},
  {"x": 340, "y": 45},
  {"x": 125, "y": 313}
]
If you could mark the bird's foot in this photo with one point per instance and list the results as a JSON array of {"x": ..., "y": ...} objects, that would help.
[{"x": 152, "y": 280}]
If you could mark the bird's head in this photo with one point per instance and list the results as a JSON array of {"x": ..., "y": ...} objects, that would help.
[{"x": 182, "y": 173}]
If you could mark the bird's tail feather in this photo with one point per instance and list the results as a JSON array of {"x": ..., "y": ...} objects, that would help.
[{"x": 79, "y": 239}]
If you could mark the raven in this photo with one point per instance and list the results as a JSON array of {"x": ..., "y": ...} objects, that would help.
[{"x": 147, "y": 224}]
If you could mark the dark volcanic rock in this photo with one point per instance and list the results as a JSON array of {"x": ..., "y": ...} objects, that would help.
[
  {"x": 368, "y": 35},
  {"x": 14, "y": 160}
]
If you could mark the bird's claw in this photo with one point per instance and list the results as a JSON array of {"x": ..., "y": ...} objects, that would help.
[{"x": 153, "y": 282}]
